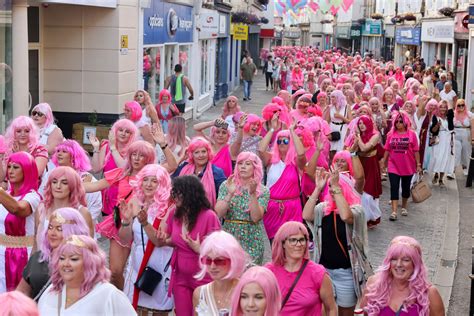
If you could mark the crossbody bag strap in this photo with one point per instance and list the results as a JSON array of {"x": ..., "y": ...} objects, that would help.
[
  {"x": 345, "y": 112},
  {"x": 37, "y": 297},
  {"x": 287, "y": 297},
  {"x": 337, "y": 237}
]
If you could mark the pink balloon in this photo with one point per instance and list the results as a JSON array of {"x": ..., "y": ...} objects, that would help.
[{"x": 334, "y": 10}]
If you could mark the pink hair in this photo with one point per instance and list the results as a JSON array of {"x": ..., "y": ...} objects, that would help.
[
  {"x": 431, "y": 105},
  {"x": 18, "y": 123},
  {"x": 276, "y": 152},
  {"x": 177, "y": 133},
  {"x": 253, "y": 119},
  {"x": 143, "y": 148},
  {"x": 395, "y": 116},
  {"x": 30, "y": 172},
  {"x": 3, "y": 147},
  {"x": 77, "y": 195},
  {"x": 257, "y": 173},
  {"x": 164, "y": 93},
  {"x": 75, "y": 225},
  {"x": 94, "y": 263},
  {"x": 321, "y": 95},
  {"x": 17, "y": 303},
  {"x": 286, "y": 230},
  {"x": 162, "y": 194},
  {"x": 278, "y": 101},
  {"x": 385, "y": 92},
  {"x": 379, "y": 90},
  {"x": 307, "y": 137},
  {"x": 269, "y": 110},
  {"x": 340, "y": 99},
  {"x": 370, "y": 128},
  {"x": 79, "y": 157},
  {"x": 347, "y": 187},
  {"x": 285, "y": 95},
  {"x": 226, "y": 111},
  {"x": 346, "y": 155},
  {"x": 199, "y": 142},
  {"x": 460, "y": 116},
  {"x": 135, "y": 109},
  {"x": 214, "y": 130},
  {"x": 45, "y": 108},
  {"x": 127, "y": 125},
  {"x": 379, "y": 292},
  {"x": 223, "y": 244},
  {"x": 267, "y": 281}
]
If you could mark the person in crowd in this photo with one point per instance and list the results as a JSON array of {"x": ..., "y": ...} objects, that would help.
[
  {"x": 187, "y": 226},
  {"x": 50, "y": 135},
  {"x": 231, "y": 107},
  {"x": 339, "y": 115},
  {"x": 79, "y": 282},
  {"x": 452, "y": 80},
  {"x": 442, "y": 158},
  {"x": 247, "y": 71},
  {"x": 297, "y": 78},
  {"x": 443, "y": 78},
  {"x": 177, "y": 85},
  {"x": 268, "y": 69},
  {"x": 401, "y": 285},
  {"x": 63, "y": 223},
  {"x": 303, "y": 103},
  {"x": 284, "y": 70},
  {"x": 247, "y": 137},
  {"x": 463, "y": 128},
  {"x": 290, "y": 259},
  {"x": 378, "y": 114},
  {"x": 17, "y": 303},
  {"x": 428, "y": 81},
  {"x": 141, "y": 219},
  {"x": 276, "y": 75},
  {"x": 339, "y": 222},
  {"x": 133, "y": 112},
  {"x": 149, "y": 115},
  {"x": 257, "y": 293},
  {"x": 423, "y": 116},
  {"x": 165, "y": 109},
  {"x": 448, "y": 94},
  {"x": 242, "y": 202},
  {"x": 403, "y": 161},
  {"x": 268, "y": 112},
  {"x": 410, "y": 109},
  {"x": 286, "y": 96},
  {"x": 17, "y": 208},
  {"x": 224, "y": 260}
]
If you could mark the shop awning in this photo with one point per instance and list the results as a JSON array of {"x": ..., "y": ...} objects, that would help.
[{"x": 267, "y": 33}]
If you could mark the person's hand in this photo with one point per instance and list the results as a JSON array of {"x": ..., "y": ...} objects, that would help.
[
  {"x": 142, "y": 216},
  {"x": 191, "y": 98},
  {"x": 294, "y": 122},
  {"x": 274, "y": 121},
  {"x": 111, "y": 140},
  {"x": 219, "y": 122},
  {"x": 338, "y": 116},
  {"x": 242, "y": 121},
  {"x": 162, "y": 236},
  {"x": 87, "y": 178},
  {"x": 321, "y": 177},
  {"x": 126, "y": 211},
  {"x": 334, "y": 178},
  {"x": 319, "y": 145},
  {"x": 16, "y": 147},
  {"x": 252, "y": 186},
  {"x": 230, "y": 185},
  {"x": 195, "y": 245},
  {"x": 158, "y": 135},
  {"x": 94, "y": 141}
]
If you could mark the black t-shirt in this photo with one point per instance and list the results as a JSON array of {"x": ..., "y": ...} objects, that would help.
[
  {"x": 36, "y": 273},
  {"x": 332, "y": 256}
]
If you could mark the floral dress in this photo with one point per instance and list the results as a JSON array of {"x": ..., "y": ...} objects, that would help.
[{"x": 237, "y": 222}]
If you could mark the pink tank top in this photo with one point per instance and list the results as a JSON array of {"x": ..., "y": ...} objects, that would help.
[{"x": 413, "y": 310}]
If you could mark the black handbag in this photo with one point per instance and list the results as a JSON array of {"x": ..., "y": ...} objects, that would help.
[
  {"x": 117, "y": 219},
  {"x": 335, "y": 136}
]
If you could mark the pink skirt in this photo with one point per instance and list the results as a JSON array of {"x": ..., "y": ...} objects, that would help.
[{"x": 107, "y": 229}]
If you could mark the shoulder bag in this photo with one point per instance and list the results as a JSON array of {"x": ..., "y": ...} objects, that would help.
[{"x": 420, "y": 190}]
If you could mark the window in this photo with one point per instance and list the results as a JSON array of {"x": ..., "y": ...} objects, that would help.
[
  {"x": 6, "y": 104},
  {"x": 204, "y": 66},
  {"x": 153, "y": 82},
  {"x": 184, "y": 58}
]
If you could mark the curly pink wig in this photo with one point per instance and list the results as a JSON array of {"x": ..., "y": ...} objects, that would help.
[
  {"x": 267, "y": 281},
  {"x": 93, "y": 258},
  {"x": 226, "y": 111},
  {"x": 257, "y": 173},
  {"x": 17, "y": 303},
  {"x": 30, "y": 172},
  {"x": 135, "y": 110},
  {"x": 223, "y": 244},
  {"x": 19, "y": 123},
  {"x": 77, "y": 195},
  {"x": 45, "y": 109},
  {"x": 79, "y": 157},
  {"x": 253, "y": 119},
  {"x": 126, "y": 125},
  {"x": 199, "y": 142},
  {"x": 286, "y": 230},
  {"x": 378, "y": 293},
  {"x": 269, "y": 110}
]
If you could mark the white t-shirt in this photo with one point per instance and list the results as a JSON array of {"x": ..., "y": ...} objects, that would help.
[{"x": 448, "y": 97}]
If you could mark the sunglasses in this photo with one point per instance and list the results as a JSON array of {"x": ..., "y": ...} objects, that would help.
[
  {"x": 36, "y": 113},
  {"x": 220, "y": 262},
  {"x": 285, "y": 141},
  {"x": 461, "y": 105}
]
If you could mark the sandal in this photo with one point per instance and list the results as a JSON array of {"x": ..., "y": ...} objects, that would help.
[
  {"x": 435, "y": 178},
  {"x": 404, "y": 212},
  {"x": 393, "y": 217},
  {"x": 441, "y": 183}
]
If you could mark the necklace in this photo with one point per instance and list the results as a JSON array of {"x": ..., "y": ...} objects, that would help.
[{"x": 224, "y": 299}]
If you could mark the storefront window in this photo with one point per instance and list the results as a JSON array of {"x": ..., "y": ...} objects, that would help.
[
  {"x": 184, "y": 58},
  {"x": 6, "y": 106},
  {"x": 204, "y": 66},
  {"x": 153, "y": 81}
]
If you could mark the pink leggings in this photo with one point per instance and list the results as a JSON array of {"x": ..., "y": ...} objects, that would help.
[{"x": 182, "y": 291}]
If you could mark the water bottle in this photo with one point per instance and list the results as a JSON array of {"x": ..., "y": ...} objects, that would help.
[{"x": 224, "y": 312}]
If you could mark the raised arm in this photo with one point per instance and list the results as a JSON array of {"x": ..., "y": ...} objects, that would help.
[
  {"x": 19, "y": 208},
  {"x": 300, "y": 150}
]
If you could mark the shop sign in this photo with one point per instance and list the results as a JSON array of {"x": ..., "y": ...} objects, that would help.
[
  {"x": 165, "y": 22},
  {"x": 355, "y": 31},
  {"x": 471, "y": 14},
  {"x": 222, "y": 24},
  {"x": 372, "y": 28},
  {"x": 343, "y": 32},
  {"x": 292, "y": 34},
  {"x": 208, "y": 24},
  {"x": 240, "y": 32},
  {"x": 124, "y": 44},
  {"x": 438, "y": 31},
  {"x": 465, "y": 21},
  {"x": 408, "y": 35}
]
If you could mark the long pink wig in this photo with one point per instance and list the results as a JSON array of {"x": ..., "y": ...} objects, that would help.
[
  {"x": 276, "y": 152},
  {"x": 226, "y": 111},
  {"x": 199, "y": 142},
  {"x": 30, "y": 172},
  {"x": 17, "y": 303},
  {"x": 286, "y": 230},
  {"x": 253, "y": 119},
  {"x": 269, "y": 110},
  {"x": 340, "y": 99},
  {"x": 223, "y": 244},
  {"x": 257, "y": 173},
  {"x": 388, "y": 90},
  {"x": 378, "y": 293},
  {"x": 395, "y": 116},
  {"x": 126, "y": 125},
  {"x": 346, "y": 155},
  {"x": 162, "y": 194},
  {"x": 77, "y": 195},
  {"x": 93, "y": 258},
  {"x": 79, "y": 157},
  {"x": 19, "y": 123},
  {"x": 267, "y": 281},
  {"x": 135, "y": 109},
  {"x": 431, "y": 106},
  {"x": 45, "y": 108},
  {"x": 143, "y": 148},
  {"x": 75, "y": 225}
]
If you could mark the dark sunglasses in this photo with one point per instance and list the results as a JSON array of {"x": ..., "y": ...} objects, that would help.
[
  {"x": 285, "y": 141},
  {"x": 461, "y": 105},
  {"x": 217, "y": 261},
  {"x": 36, "y": 113}
]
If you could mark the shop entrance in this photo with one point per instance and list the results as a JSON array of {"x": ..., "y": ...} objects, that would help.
[{"x": 170, "y": 59}]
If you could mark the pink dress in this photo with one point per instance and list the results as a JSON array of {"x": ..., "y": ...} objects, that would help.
[
  {"x": 223, "y": 160},
  {"x": 285, "y": 203},
  {"x": 413, "y": 310},
  {"x": 304, "y": 300},
  {"x": 185, "y": 262},
  {"x": 109, "y": 195}
]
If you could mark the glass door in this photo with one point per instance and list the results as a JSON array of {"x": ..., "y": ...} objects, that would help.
[{"x": 33, "y": 80}]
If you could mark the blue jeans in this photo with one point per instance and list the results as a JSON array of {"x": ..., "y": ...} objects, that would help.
[{"x": 247, "y": 86}]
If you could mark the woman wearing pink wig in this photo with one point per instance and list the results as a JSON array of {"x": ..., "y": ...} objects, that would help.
[
  {"x": 49, "y": 134},
  {"x": 242, "y": 202},
  {"x": 290, "y": 257},
  {"x": 80, "y": 282},
  {"x": 269, "y": 112},
  {"x": 339, "y": 115},
  {"x": 149, "y": 115},
  {"x": 17, "y": 303},
  {"x": 133, "y": 112},
  {"x": 247, "y": 137},
  {"x": 165, "y": 109},
  {"x": 257, "y": 293},
  {"x": 401, "y": 286},
  {"x": 302, "y": 105},
  {"x": 17, "y": 224},
  {"x": 221, "y": 257},
  {"x": 231, "y": 107}
]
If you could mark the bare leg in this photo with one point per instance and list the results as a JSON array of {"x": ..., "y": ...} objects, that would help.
[{"x": 118, "y": 259}]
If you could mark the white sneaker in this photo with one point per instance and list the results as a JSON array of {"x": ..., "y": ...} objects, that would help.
[
  {"x": 451, "y": 176},
  {"x": 465, "y": 171}
]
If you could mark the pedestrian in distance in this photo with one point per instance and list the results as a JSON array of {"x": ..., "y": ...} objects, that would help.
[
  {"x": 248, "y": 70},
  {"x": 177, "y": 85}
]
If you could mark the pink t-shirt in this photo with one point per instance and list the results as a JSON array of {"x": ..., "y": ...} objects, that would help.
[
  {"x": 304, "y": 300},
  {"x": 401, "y": 149}
]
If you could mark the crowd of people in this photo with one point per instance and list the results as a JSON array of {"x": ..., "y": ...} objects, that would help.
[{"x": 188, "y": 216}]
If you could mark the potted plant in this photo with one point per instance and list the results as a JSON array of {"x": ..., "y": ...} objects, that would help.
[
  {"x": 361, "y": 21},
  {"x": 377, "y": 16},
  {"x": 81, "y": 131},
  {"x": 397, "y": 19},
  {"x": 446, "y": 11},
  {"x": 264, "y": 20},
  {"x": 409, "y": 17}
]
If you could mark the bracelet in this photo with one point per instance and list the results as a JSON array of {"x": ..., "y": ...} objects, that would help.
[
  {"x": 335, "y": 191},
  {"x": 164, "y": 147},
  {"x": 271, "y": 130},
  {"x": 312, "y": 198},
  {"x": 124, "y": 224},
  {"x": 144, "y": 224}
]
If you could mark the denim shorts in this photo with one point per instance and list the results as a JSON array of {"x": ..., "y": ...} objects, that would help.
[{"x": 343, "y": 287}]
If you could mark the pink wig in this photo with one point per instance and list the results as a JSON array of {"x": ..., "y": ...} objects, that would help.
[
  {"x": 305, "y": 98},
  {"x": 378, "y": 91},
  {"x": 19, "y": 123},
  {"x": 17, "y": 303},
  {"x": 257, "y": 173},
  {"x": 278, "y": 101},
  {"x": 135, "y": 110},
  {"x": 199, "y": 142},
  {"x": 306, "y": 137},
  {"x": 350, "y": 194},
  {"x": 379, "y": 292},
  {"x": 164, "y": 93},
  {"x": 77, "y": 195},
  {"x": 93, "y": 258},
  {"x": 214, "y": 130},
  {"x": 286, "y": 230},
  {"x": 340, "y": 99},
  {"x": 30, "y": 172},
  {"x": 75, "y": 225},
  {"x": 369, "y": 126},
  {"x": 223, "y": 244},
  {"x": 285, "y": 95},
  {"x": 45, "y": 108},
  {"x": 321, "y": 95},
  {"x": 226, "y": 111},
  {"x": 79, "y": 157},
  {"x": 346, "y": 155},
  {"x": 160, "y": 199},
  {"x": 276, "y": 152},
  {"x": 388, "y": 90},
  {"x": 431, "y": 106},
  {"x": 400, "y": 114},
  {"x": 126, "y": 125},
  {"x": 143, "y": 148},
  {"x": 3, "y": 147},
  {"x": 269, "y": 110},
  {"x": 267, "y": 281},
  {"x": 253, "y": 119}
]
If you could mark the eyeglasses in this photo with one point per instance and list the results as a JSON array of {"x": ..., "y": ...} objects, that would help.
[
  {"x": 220, "y": 262},
  {"x": 295, "y": 241},
  {"x": 400, "y": 121},
  {"x": 285, "y": 141},
  {"x": 36, "y": 113}
]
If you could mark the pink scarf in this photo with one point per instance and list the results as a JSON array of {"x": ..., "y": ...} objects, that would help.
[{"x": 207, "y": 180}]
